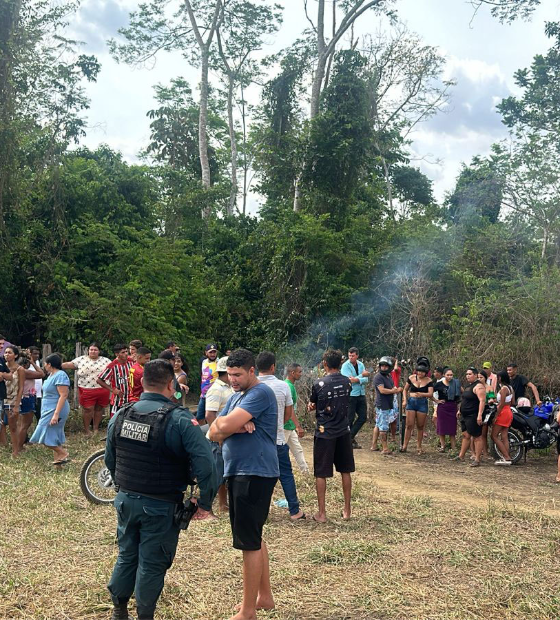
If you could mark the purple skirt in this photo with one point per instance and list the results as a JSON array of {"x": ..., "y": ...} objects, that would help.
[{"x": 447, "y": 418}]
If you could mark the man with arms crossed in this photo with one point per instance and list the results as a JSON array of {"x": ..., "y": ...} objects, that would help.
[
  {"x": 247, "y": 429},
  {"x": 333, "y": 441}
]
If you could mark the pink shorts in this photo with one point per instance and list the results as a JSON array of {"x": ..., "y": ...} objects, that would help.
[{"x": 90, "y": 397}]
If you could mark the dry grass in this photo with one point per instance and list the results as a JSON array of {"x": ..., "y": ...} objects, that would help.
[{"x": 430, "y": 539}]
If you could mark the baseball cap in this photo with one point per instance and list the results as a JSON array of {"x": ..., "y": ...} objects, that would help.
[
  {"x": 222, "y": 364},
  {"x": 487, "y": 365},
  {"x": 211, "y": 347}
]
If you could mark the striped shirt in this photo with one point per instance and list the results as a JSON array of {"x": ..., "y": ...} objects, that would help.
[{"x": 116, "y": 375}]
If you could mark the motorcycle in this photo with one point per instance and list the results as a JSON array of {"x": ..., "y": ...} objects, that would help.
[
  {"x": 95, "y": 480},
  {"x": 531, "y": 429}
]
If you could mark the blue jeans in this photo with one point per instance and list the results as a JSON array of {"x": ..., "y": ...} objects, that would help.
[
  {"x": 201, "y": 409},
  {"x": 287, "y": 478}
]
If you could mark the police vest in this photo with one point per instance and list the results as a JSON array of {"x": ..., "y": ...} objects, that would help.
[{"x": 144, "y": 464}]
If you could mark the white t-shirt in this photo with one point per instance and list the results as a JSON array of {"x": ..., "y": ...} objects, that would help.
[
  {"x": 283, "y": 399},
  {"x": 38, "y": 382},
  {"x": 89, "y": 370}
]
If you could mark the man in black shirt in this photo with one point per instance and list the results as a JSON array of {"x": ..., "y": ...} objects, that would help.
[
  {"x": 520, "y": 383},
  {"x": 332, "y": 444}
]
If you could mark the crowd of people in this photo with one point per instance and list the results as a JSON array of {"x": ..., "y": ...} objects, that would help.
[{"x": 237, "y": 445}]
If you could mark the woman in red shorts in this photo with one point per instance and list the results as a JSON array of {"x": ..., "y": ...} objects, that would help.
[
  {"x": 93, "y": 399},
  {"x": 504, "y": 418}
]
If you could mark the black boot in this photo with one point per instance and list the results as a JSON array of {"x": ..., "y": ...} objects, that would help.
[{"x": 120, "y": 612}]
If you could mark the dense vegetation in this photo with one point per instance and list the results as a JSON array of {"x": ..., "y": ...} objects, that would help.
[{"x": 349, "y": 245}]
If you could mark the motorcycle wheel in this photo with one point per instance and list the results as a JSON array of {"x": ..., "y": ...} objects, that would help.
[
  {"x": 515, "y": 439},
  {"x": 95, "y": 480}
]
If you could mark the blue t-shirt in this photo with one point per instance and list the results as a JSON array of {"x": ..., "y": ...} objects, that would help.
[{"x": 253, "y": 454}]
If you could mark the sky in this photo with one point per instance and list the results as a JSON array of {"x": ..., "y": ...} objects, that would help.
[{"x": 482, "y": 56}]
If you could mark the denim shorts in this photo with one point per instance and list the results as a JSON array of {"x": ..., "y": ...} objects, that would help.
[
  {"x": 383, "y": 417},
  {"x": 27, "y": 404},
  {"x": 420, "y": 405}
]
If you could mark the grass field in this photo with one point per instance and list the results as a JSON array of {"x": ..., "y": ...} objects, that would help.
[{"x": 429, "y": 539}]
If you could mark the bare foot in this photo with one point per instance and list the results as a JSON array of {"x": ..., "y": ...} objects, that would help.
[
  {"x": 346, "y": 515},
  {"x": 204, "y": 515},
  {"x": 224, "y": 508},
  {"x": 262, "y": 604},
  {"x": 320, "y": 518},
  {"x": 242, "y": 616}
]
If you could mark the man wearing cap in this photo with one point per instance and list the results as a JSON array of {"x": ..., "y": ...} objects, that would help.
[
  {"x": 208, "y": 374},
  {"x": 216, "y": 398},
  {"x": 492, "y": 376}
]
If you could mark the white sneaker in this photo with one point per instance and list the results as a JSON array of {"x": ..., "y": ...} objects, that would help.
[{"x": 503, "y": 463}]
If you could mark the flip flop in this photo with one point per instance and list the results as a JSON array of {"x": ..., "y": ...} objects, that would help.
[
  {"x": 374, "y": 449},
  {"x": 303, "y": 516}
]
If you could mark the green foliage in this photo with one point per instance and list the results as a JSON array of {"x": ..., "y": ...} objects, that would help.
[
  {"x": 340, "y": 141},
  {"x": 477, "y": 194},
  {"x": 538, "y": 106},
  {"x": 174, "y": 131}
]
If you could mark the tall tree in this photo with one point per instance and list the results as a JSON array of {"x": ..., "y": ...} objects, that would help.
[
  {"x": 241, "y": 33},
  {"x": 530, "y": 166},
  {"x": 205, "y": 17},
  {"x": 192, "y": 30}
]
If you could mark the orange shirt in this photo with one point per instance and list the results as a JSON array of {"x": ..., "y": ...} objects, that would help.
[{"x": 135, "y": 382}]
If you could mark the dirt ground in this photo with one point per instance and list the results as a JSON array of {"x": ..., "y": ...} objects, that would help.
[{"x": 429, "y": 539}]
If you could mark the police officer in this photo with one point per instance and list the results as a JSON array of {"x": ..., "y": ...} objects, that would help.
[{"x": 154, "y": 448}]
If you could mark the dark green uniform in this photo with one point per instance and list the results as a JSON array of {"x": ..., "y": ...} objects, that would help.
[{"x": 146, "y": 531}]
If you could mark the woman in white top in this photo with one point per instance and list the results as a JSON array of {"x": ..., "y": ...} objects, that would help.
[
  {"x": 92, "y": 398},
  {"x": 504, "y": 418}
]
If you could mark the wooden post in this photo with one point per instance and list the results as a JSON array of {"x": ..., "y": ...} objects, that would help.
[
  {"x": 47, "y": 350},
  {"x": 78, "y": 353}
]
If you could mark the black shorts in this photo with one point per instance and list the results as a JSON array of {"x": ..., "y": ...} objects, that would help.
[
  {"x": 249, "y": 504},
  {"x": 333, "y": 450},
  {"x": 471, "y": 426}
]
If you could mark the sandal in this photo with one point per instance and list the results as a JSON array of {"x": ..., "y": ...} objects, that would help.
[
  {"x": 441, "y": 449},
  {"x": 402, "y": 449},
  {"x": 376, "y": 449}
]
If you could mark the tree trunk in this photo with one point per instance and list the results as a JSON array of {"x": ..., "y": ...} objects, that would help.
[
  {"x": 203, "y": 112},
  {"x": 245, "y": 164},
  {"x": 389, "y": 186},
  {"x": 203, "y": 121},
  {"x": 233, "y": 142},
  {"x": 297, "y": 193},
  {"x": 9, "y": 19},
  {"x": 544, "y": 244}
]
